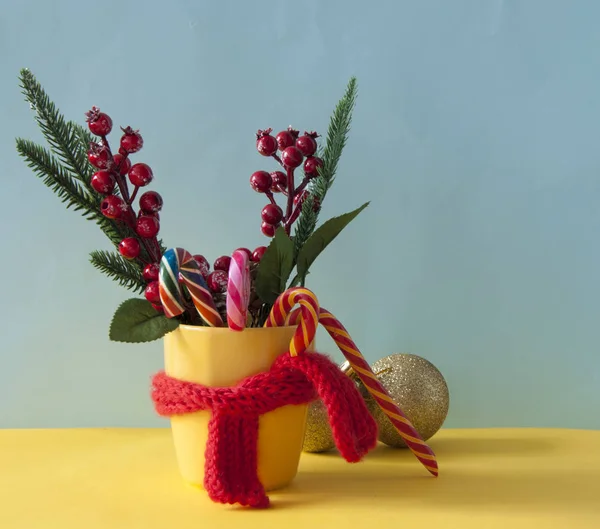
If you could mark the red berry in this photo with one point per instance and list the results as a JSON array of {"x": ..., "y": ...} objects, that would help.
[
  {"x": 131, "y": 141},
  {"x": 129, "y": 248},
  {"x": 265, "y": 143},
  {"x": 316, "y": 204},
  {"x": 291, "y": 157},
  {"x": 151, "y": 202},
  {"x": 279, "y": 180},
  {"x": 103, "y": 182},
  {"x": 268, "y": 229},
  {"x": 202, "y": 264},
  {"x": 248, "y": 252},
  {"x": 112, "y": 206},
  {"x": 261, "y": 181},
  {"x": 98, "y": 155},
  {"x": 286, "y": 138},
  {"x": 152, "y": 293},
  {"x": 300, "y": 197},
  {"x": 222, "y": 263},
  {"x": 272, "y": 214},
  {"x": 311, "y": 166},
  {"x": 147, "y": 226},
  {"x": 140, "y": 174},
  {"x": 99, "y": 123},
  {"x": 151, "y": 271},
  {"x": 257, "y": 254},
  {"x": 306, "y": 143},
  {"x": 217, "y": 281},
  {"x": 146, "y": 214},
  {"x": 157, "y": 307},
  {"x": 122, "y": 163}
]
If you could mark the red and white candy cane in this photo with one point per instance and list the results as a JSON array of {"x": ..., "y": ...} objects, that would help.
[
  {"x": 282, "y": 314},
  {"x": 238, "y": 290},
  {"x": 307, "y": 323}
]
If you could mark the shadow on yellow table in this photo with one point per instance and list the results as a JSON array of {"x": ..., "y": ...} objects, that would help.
[{"x": 127, "y": 478}]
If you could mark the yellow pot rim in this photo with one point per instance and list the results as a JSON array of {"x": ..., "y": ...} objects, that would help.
[{"x": 204, "y": 328}]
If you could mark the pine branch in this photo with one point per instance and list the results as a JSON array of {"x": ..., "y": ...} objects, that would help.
[
  {"x": 337, "y": 136},
  {"x": 56, "y": 178},
  {"x": 64, "y": 137},
  {"x": 69, "y": 190},
  {"x": 127, "y": 273}
]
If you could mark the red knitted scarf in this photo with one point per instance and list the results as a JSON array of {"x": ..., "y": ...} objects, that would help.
[{"x": 231, "y": 451}]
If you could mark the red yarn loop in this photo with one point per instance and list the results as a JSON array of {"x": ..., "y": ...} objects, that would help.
[{"x": 230, "y": 474}]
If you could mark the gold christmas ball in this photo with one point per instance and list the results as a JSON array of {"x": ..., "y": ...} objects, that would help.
[
  {"x": 419, "y": 390},
  {"x": 318, "y": 437}
]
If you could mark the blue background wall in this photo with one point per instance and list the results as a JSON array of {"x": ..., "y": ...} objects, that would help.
[{"x": 475, "y": 137}]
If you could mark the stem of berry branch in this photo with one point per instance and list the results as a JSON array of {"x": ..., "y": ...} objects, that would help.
[
  {"x": 279, "y": 160},
  {"x": 302, "y": 185},
  {"x": 130, "y": 219},
  {"x": 290, "y": 197},
  {"x": 157, "y": 247},
  {"x": 271, "y": 197},
  {"x": 135, "y": 190},
  {"x": 123, "y": 159},
  {"x": 294, "y": 216}
]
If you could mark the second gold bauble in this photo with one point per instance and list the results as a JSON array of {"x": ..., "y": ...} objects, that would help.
[
  {"x": 418, "y": 389},
  {"x": 318, "y": 437}
]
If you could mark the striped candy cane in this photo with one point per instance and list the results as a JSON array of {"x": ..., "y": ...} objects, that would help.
[
  {"x": 176, "y": 263},
  {"x": 308, "y": 322},
  {"x": 285, "y": 316}
]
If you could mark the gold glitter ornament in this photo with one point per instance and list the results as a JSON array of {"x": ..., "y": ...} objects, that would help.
[
  {"x": 418, "y": 389},
  {"x": 318, "y": 437}
]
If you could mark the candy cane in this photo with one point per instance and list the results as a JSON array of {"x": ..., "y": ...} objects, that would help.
[
  {"x": 238, "y": 290},
  {"x": 176, "y": 263},
  {"x": 308, "y": 323},
  {"x": 340, "y": 336}
]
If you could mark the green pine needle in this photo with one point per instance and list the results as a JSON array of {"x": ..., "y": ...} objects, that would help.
[
  {"x": 337, "y": 137},
  {"x": 47, "y": 167},
  {"x": 125, "y": 272},
  {"x": 67, "y": 188},
  {"x": 68, "y": 141}
]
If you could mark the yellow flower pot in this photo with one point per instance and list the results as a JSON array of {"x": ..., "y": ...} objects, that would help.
[{"x": 220, "y": 357}]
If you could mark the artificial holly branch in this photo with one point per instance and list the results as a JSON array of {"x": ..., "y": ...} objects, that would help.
[
  {"x": 304, "y": 202},
  {"x": 85, "y": 173},
  {"x": 65, "y": 169}
]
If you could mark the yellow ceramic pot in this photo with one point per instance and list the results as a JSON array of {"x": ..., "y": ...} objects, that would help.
[{"x": 220, "y": 357}]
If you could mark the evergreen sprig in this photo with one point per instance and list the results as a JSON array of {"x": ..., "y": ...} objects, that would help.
[
  {"x": 64, "y": 168},
  {"x": 126, "y": 273},
  {"x": 68, "y": 141},
  {"x": 47, "y": 167},
  {"x": 337, "y": 137}
]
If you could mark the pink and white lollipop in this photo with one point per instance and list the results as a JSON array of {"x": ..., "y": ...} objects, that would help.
[{"x": 238, "y": 290}]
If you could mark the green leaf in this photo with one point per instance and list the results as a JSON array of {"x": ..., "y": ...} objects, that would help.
[
  {"x": 297, "y": 280},
  {"x": 135, "y": 321},
  {"x": 275, "y": 267},
  {"x": 322, "y": 236}
]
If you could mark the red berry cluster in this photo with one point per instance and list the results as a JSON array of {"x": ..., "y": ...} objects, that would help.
[
  {"x": 295, "y": 151},
  {"x": 111, "y": 175},
  {"x": 217, "y": 279}
]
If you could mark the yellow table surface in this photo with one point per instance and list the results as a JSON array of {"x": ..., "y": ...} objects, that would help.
[{"x": 127, "y": 478}]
